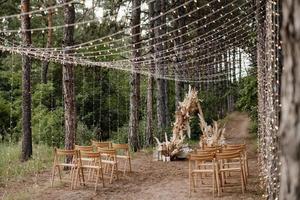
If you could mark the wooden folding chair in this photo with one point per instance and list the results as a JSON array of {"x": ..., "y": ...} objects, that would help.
[
  {"x": 123, "y": 153},
  {"x": 243, "y": 148},
  {"x": 109, "y": 160},
  {"x": 106, "y": 144},
  {"x": 95, "y": 165},
  {"x": 232, "y": 156},
  {"x": 60, "y": 160},
  {"x": 195, "y": 169}
]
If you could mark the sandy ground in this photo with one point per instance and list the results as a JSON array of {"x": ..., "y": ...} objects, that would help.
[{"x": 149, "y": 179}]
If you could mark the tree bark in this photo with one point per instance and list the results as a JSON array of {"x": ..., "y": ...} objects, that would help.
[
  {"x": 161, "y": 113},
  {"x": 45, "y": 63},
  {"x": 133, "y": 139},
  {"x": 179, "y": 23},
  {"x": 290, "y": 91},
  {"x": 149, "y": 126},
  {"x": 69, "y": 79},
  {"x": 26, "y": 85},
  {"x": 149, "y": 118},
  {"x": 240, "y": 64}
]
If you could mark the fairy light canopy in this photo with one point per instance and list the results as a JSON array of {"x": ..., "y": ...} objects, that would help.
[{"x": 211, "y": 30}]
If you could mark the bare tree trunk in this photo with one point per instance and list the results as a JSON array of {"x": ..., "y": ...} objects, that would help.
[
  {"x": 149, "y": 125},
  {"x": 69, "y": 79},
  {"x": 45, "y": 63},
  {"x": 149, "y": 117},
  {"x": 161, "y": 114},
  {"x": 240, "y": 64},
  {"x": 133, "y": 139},
  {"x": 233, "y": 65},
  {"x": 179, "y": 23},
  {"x": 26, "y": 85},
  {"x": 290, "y": 120}
]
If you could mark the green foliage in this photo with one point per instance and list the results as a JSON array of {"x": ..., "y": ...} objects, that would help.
[
  {"x": 247, "y": 100},
  {"x": 12, "y": 168},
  {"x": 121, "y": 135},
  {"x": 210, "y": 104},
  {"x": 84, "y": 135}
]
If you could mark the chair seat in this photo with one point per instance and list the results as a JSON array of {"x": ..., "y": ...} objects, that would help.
[
  {"x": 122, "y": 156},
  {"x": 203, "y": 171},
  {"x": 109, "y": 162},
  {"x": 230, "y": 169},
  {"x": 66, "y": 164},
  {"x": 90, "y": 167},
  {"x": 87, "y": 159}
]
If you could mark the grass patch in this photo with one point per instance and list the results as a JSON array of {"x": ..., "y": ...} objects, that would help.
[{"x": 12, "y": 168}]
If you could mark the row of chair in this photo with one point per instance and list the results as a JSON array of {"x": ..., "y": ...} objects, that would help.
[
  {"x": 97, "y": 159},
  {"x": 220, "y": 162}
]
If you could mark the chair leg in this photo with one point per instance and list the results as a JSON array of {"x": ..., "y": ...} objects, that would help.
[
  {"x": 125, "y": 165},
  {"x": 72, "y": 176},
  {"x": 102, "y": 177},
  {"x": 218, "y": 182},
  {"x": 213, "y": 183},
  {"x": 190, "y": 184},
  {"x": 76, "y": 175},
  {"x": 59, "y": 172},
  {"x": 82, "y": 175},
  {"x": 247, "y": 166},
  {"x": 129, "y": 160},
  {"x": 117, "y": 172},
  {"x": 53, "y": 174},
  {"x": 194, "y": 184},
  {"x": 97, "y": 179},
  {"x": 112, "y": 174},
  {"x": 242, "y": 181}
]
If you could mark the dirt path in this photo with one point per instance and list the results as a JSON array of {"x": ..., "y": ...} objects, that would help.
[{"x": 150, "y": 179}]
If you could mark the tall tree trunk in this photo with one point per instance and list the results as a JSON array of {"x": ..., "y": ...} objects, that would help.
[
  {"x": 149, "y": 125},
  {"x": 69, "y": 79},
  {"x": 26, "y": 85},
  {"x": 233, "y": 65},
  {"x": 133, "y": 139},
  {"x": 161, "y": 114},
  {"x": 290, "y": 112},
  {"x": 179, "y": 23},
  {"x": 149, "y": 117},
  {"x": 45, "y": 63},
  {"x": 240, "y": 64}
]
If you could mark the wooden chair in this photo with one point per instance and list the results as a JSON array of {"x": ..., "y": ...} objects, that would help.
[
  {"x": 195, "y": 169},
  {"x": 229, "y": 157},
  {"x": 243, "y": 148},
  {"x": 109, "y": 159},
  {"x": 123, "y": 153},
  {"x": 84, "y": 148},
  {"x": 106, "y": 144},
  {"x": 94, "y": 166},
  {"x": 60, "y": 160}
]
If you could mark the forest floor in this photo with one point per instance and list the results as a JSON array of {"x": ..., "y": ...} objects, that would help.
[{"x": 149, "y": 179}]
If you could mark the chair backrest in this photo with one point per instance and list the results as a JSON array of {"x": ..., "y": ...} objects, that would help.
[
  {"x": 201, "y": 157},
  {"x": 87, "y": 154},
  {"x": 235, "y": 145},
  {"x": 111, "y": 152},
  {"x": 120, "y": 146},
  {"x": 62, "y": 155},
  {"x": 241, "y": 147},
  {"x": 230, "y": 154},
  {"x": 84, "y": 148},
  {"x": 97, "y": 144},
  {"x": 210, "y": 149}
]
